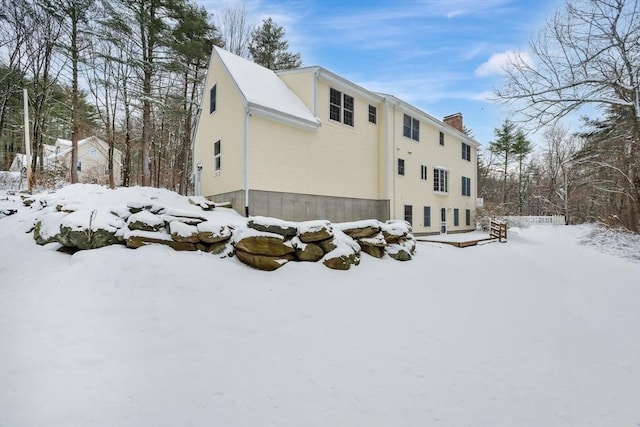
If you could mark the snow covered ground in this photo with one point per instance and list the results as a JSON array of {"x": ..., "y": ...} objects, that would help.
[{"x": 541, "y": 331}]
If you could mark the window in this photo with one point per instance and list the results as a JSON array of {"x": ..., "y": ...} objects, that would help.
[
  {"x": 212, "y": 99},
  {"x": 440, "y": 180},
  {"x": 441, "y": 138},
  {"x": 400, "y": 166},
  {"x": 341, "y": 107},
  {"x": 217, "y": 156},
  {"x": 427, "y": 216},
  {"x": 466, "y": 186},
  {"x": 79, "y": 166},
  {"x": 411, "y": 128},
  {"x": 373, "y": 113},
  {"x": 106, "y": 169},
  {"x": 93, "y": 152},
  {"x": 466, "y": 152},
  {"x": 423, "y": 172},
  {"x": 467, "y": 216},
  {"x": 456, "y": 217},
  {"x": 408, "y": 214},
  {"x": 348, "y": 110}
]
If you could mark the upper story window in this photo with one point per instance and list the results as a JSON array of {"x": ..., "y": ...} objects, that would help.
[
  {"x": 341, "y": 107},
  {"x": 411, "y": 128},
  {"x": 212, "y": 99},
  {"x": 441, "y": 138},
  {"x": 373, "y": 114},
  {"x": 466, "y": 186},
  {"x": 93, "y": 152},
  {"x": 79, "y": 166},
  {"x": 400, "y": 166},
  {"x": 440, "y": 180},
  {"x": 423, "y": 172},
  {"x": 466, "y": 152}
]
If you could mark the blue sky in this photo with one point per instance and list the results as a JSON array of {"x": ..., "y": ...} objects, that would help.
[{"x": 441, "y": 56}]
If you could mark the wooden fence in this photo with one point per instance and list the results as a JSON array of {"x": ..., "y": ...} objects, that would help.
[
  {"x": 535, "y": 220},
  {"x": 498, "y": 231}
]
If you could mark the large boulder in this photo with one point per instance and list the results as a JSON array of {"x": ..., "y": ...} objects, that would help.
[
  {"x": 145, "y": 221},
  {"x": 359, "y": 229},
  {"x": 137, "y": 239},
  {"x": 212, "y": 232},
  {"x": 261, "y": 243},
  {"x": 84, "y": 229},
  {"x": 263, "y": 262},
  {"x": 47, "y": 227},
  {"x": 314, "y": 231},
  {"x": 373, "y": 246},
  {"x": 181, "y": 232},
  {"x": 273, "y": 225},
  {"x": 307, "y": 251},
  {"x": 345, "y": 254},
  {"x": 394, "y": 230},
  {"x": 187, "y": 217},
  {"x": 203, "y": 203},
  {"x": 398, "y": 252}
]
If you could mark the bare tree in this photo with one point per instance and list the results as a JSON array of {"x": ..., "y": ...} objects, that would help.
[
  {"x": 236, "y": 30},
  {"x": 588, "y": 53}
]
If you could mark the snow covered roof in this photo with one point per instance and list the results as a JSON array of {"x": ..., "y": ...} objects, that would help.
[
  {"x": 65, "y": 146},
  {"x": 266, "y": 94}
]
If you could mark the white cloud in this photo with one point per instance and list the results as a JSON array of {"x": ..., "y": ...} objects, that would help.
[{"x": 498, "y": 61}]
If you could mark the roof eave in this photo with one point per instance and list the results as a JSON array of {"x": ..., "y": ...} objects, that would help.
[{"x": 279, "y": 116}]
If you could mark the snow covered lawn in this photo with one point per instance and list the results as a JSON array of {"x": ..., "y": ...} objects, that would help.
[{"x": 540, "y": 331}]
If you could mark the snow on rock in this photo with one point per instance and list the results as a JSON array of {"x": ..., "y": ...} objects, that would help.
[
  {"x": 89, "y": 216},
  {"x": 273, "y": 225},
  {"x": 213, "y": 232},
  {"x": 181, "y": 232},
  {"x": 145, "y": 221},
  {"x": 395, "y": 230},
  {"x": 313, "y": 231},
  {"x": 346, "y": 252},
  {"x": 358, "y": 229}
]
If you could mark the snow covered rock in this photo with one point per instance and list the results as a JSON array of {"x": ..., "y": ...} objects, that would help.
[
  {"x": 261, "y": 243},
  {"x": 314, "y": 231},
  {"x": 212, "y": 232},
  {"x": 184, "y": 216},
  {"x": 346, "y": 252},
  {"x": 373, "y": 246},
  {"x": 359, "y": 229},
  {"x": 307, "y": 251},
  {"x": 181, "y": 232},
  {"x": 89, "y": 229},
  {"x": 204, "y": 203},
  {"x": 393, "y": 231},
  {"x": 139, "y": 238},
  {"x": 263, "y": 262},
  {"x": 273, "y": 225},
  {"x": 145, "y": 221}
]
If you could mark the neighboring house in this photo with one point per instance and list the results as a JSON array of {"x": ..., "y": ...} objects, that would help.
[
  {"x": 307, "y": 144},
  {"x": 93, "y": 159}
]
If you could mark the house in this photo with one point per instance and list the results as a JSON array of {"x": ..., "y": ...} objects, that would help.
[
  {"x": 307, "y": 144},
  {"x": 93, "y": 160}
]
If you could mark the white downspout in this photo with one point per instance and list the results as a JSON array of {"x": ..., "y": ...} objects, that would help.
[
  {"x": 245, "y": 144},
  {"x": 315, "y": 92}
]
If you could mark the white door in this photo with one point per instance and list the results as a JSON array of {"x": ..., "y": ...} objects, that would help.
[{"x": 443, "y": 221}]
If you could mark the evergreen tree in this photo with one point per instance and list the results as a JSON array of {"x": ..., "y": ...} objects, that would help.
[
  {"x": 521, "y": 148},
  {"x": 269, "y": 48},
  {"x": 503, "y": 147}
]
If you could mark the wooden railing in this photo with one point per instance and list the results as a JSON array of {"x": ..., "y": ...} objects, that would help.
[{"x": 498, "y": 231}]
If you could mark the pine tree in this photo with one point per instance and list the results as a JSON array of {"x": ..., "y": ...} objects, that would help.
[
  {"x": 521, "y": 148},
  {"x": 503, "y": 147},
  {"x": 269, "y": 48}
]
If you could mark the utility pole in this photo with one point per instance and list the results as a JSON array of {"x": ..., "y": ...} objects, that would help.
[{"x": 27, "y": 142}]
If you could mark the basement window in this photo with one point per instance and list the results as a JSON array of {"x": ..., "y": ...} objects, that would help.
[{"x": 217, "y": 156}]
